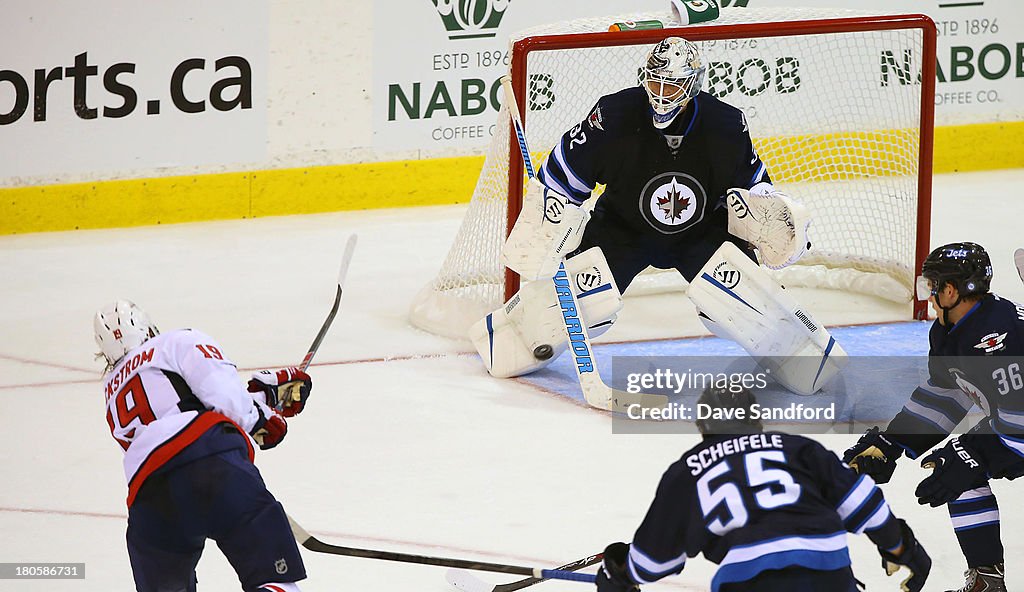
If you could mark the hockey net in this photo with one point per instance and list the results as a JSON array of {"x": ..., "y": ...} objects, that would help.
[{"x": 839, "y": 106}]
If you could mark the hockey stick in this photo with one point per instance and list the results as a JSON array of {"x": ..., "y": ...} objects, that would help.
[
  {"x": 468, "y": 582},
  {"x": 346, "y": 258},
  {"x": 596, "y": 392},
  {"x": 290, "y": 392},
  {"x": 314, "y": 544}
]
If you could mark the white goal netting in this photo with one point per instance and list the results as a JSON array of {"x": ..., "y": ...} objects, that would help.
[{"x": 834, "y": 108}]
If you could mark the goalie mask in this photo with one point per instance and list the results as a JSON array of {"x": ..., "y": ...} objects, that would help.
[
  {"x": 120, "y": 327},
  {"x": 672, "y": 75}
]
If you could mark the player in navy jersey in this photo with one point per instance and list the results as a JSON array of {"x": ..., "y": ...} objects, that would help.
[
  {"x": 772, "y": 510},
  {"x": 685, "y": 190},
  {"x": 187, "y": 426},
  {"x": 975, "y": 357}
]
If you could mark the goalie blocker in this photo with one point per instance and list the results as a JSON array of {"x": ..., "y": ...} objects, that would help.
[{"x": 528, "y": 332}]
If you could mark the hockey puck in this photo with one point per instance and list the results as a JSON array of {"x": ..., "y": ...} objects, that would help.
[{"x": 543, "y": 352}]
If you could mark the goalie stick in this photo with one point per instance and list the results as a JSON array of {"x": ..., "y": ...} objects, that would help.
[
  {"x": 468, "y": 582},
  {"x": 346, "y": 258},
  {"x": 596, "y": 392},
  {"x": 316, "y": 545}
]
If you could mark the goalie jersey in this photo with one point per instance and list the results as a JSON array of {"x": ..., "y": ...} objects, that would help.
[
  {"x": 978, "y": 361},
  {"x": 754, "y": 503},
  {"x": 662, "y": 185},
  {"x": 164, "y": 399}
]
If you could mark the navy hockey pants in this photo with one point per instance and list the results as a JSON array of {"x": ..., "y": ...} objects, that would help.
[
  {"x": 628, "y": 253},
  {"x": 797, "y": 579},
  {"x": 221, "y": 497}
]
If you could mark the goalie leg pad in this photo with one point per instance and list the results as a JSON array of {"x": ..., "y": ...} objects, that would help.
[
  {"x": 739, "y": 301},
  {"x": 528, "y": 332}
]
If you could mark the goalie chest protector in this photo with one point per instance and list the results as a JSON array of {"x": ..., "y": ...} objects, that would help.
[{"x": 663, "y": 186}]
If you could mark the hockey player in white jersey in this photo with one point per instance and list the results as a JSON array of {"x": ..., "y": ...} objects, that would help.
[{"x": 187, "y": 426}]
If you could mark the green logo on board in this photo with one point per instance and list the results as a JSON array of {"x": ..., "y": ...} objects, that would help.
[{"x": 471, "y": 19}]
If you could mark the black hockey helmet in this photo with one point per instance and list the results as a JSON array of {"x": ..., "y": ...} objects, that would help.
[
  {"x": 731, "y": 396},
  {"x": 965, "y": 265}
]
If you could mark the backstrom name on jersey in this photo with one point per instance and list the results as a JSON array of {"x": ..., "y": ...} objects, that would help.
[{"x": 130, "y": 366}]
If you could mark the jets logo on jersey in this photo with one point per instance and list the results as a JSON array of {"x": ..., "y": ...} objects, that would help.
[
  {"x": 673, "y": 202},
  {"x": 991, "y": 342},
  {"x": 971, "y": 391},
  {"x": 595, "y": 119}
]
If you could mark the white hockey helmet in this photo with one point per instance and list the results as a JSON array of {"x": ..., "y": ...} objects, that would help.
[
  {"x": 672, "y": 74},
  {"x": 120, "y": 327}
]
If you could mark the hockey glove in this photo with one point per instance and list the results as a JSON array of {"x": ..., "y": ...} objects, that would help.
[
  {"x": 913, "y": 557},
  {"x": 613, "y": 575},
  {"x": 285, "y": 390},
  {"x": 873, "y": 455},
  {"x": 771, "y": 221},
  {"x": 549, "y": 228},
  {"x": 270, "y": 429},
  {"x": 956, "y": 469}
]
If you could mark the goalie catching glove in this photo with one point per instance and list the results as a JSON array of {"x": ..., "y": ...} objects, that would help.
[
  {"x": 774, "y": 223},
  {"x": 549, "y": 228},
  {"x": 286, "y": 390}
]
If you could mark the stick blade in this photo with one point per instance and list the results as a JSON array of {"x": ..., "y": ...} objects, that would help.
[
  {"x": 346, "y": 258},
  {"x": 601, "y": 396},
  {"x": 596, "y": 392},
  {"x": 467, "y": 581},
  {"x": 624, "y": 400},
  {"x": 301, "y": 534}
]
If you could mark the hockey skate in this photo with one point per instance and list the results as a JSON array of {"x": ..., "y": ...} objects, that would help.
[{"x": 984, "y": 579}]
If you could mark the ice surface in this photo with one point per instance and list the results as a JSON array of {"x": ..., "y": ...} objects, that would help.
[{"x": 407, "y": 445}]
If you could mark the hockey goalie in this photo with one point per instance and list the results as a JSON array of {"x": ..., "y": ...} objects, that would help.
[{"x": 685, "y": 190}]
